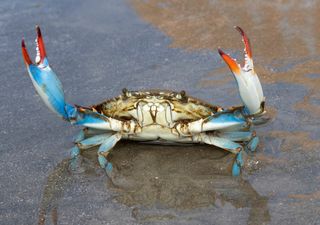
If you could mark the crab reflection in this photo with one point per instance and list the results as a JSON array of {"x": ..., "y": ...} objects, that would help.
[{"x": 155, "y": 179}]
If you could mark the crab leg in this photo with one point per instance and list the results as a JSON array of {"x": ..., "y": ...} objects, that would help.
[
  {"x": 223, "y": 143},
  {"x": 104, "y": 149},
  {"x": 107, "y": 141},
  {"x": 222, "y": 121},
  {"x": 49, "y": 87},
  {"x": 88, "y": 143},
  {"x": 228, "y": 145},
  {"x": 238, "y": 163},
  {"x": 237, "y": 135},
  {"x": 85, "y": 133},
  {"x": 253, "y": 144},
  {"x": 248, "y": 82}
]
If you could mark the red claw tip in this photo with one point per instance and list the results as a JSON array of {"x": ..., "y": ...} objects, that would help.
[
  {"x": 245, "y": 40},
  {"x": 38, "y": 31},
  {"x": 40, "y": 42},
  {"x": 23, "y": 45},
  {"x": 239, "y": 29},
  {"x": 25, "y": 54}
]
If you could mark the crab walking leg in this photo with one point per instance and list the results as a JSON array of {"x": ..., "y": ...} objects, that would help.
[
  {"x": 104, "y": 149},
  {"x": 223, "y": 121},
  {"x": 228, "y": 145},
  {"x": 237, "y": 135},
  {"x": 86, "y": 133},
  {"x": 89, "y": 143},
  {"x": 253, "y": 144},
  {"x": 86, "y": 144},
  {"x": 238, "y": 163},
  {"x": 249, "y": 86},
  {"x": 80, "y": 136},
  {"x": 223, "y": 143},
  {"x": 49, "y": 87}
]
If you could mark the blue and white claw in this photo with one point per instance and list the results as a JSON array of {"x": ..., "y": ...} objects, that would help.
[
  {"x": 250, "y": 88},
  {"x": 49, "y": 87},
  {"x": 44, "y": 79}
]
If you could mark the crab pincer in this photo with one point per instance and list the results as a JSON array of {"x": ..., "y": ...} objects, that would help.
[
  {"x": 49, "y": 87},
  {"x": 248, "y": 82},
  {"x": 44, "y": 79}
]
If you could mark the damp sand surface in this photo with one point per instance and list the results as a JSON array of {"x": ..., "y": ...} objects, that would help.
[{"x": 97, "y": 48}]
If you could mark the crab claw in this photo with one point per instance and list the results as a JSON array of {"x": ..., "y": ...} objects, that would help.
[
  {"x": 44, "y": 79},
  {"x": 41, "y": 58},
  {"x": 248, "y": 82}
]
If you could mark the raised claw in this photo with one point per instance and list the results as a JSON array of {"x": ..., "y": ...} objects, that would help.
[
  {"x": 44, "y": 79},
  {"x": 248, "y": 82},
  {"x": 50, "y": 90}
]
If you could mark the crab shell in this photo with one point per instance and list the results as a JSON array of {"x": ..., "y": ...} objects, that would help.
[
  {"x": 157, "y": 116},
  {"x": 156, "y": 113}
]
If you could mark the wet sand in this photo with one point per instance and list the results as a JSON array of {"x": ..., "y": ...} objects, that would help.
[{"x": 97, "y": 48}]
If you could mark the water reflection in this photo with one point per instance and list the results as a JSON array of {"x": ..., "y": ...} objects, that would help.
[
  {"x": 159, "y": 181},
  {"x": 285, "y": 36},
  {"x": 276, "y": 26}
]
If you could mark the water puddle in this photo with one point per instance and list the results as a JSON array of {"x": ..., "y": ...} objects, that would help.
[{"x": 158, "y": 183}]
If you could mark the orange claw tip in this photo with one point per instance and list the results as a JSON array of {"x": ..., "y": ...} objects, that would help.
[
  {"x": 245, "y": 41},
  {"x": 25, "y": 54},
  {"x": 234, "y": 67}
]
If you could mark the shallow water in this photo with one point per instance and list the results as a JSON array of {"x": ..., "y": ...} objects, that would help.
[{"x": 97, "y": 48}]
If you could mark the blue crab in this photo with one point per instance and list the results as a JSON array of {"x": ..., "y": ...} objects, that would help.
[{"x": 157, "y": 116}]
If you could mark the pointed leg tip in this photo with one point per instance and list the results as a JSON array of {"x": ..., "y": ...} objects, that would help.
[
  {"x": 238, "y": 163},
  {"x": 235, "y": 170}
]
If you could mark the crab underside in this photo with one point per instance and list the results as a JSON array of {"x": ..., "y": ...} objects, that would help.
[{"x": 157, "y": 116}]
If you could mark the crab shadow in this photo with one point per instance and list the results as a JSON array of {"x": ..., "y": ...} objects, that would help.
[{"x": 159, "y": 182}]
